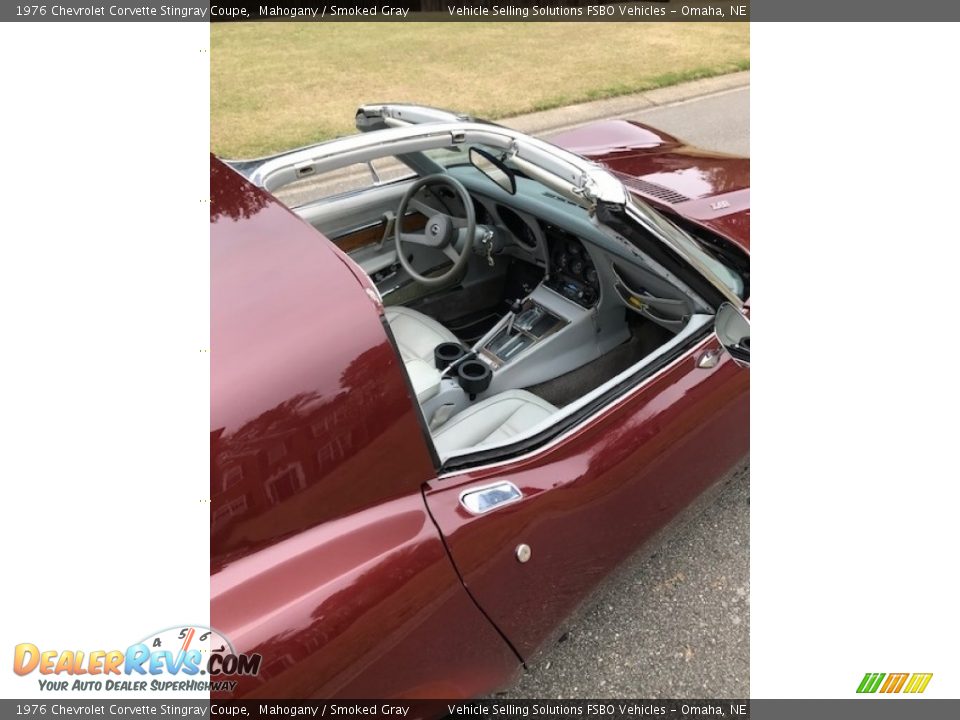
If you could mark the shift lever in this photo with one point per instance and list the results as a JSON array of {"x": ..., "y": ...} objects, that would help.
[{"x": 515, "y": 307}]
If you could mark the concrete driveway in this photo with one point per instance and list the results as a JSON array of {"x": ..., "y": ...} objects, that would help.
[{"x": 677, "y": 624}]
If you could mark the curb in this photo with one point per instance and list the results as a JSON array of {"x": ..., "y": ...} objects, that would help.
[{"x": 546, "y": 122}]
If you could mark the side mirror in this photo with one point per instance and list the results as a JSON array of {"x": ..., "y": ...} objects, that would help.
[
  {"x": 733, "y": 332},
  {"x": 494, "y": 169}
]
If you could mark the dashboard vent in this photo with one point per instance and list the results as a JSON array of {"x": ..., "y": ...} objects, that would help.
[{"x": 658, "y": 191}]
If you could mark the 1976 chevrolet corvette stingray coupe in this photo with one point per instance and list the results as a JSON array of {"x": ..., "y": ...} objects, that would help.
[{"x": 459, "y": 374}]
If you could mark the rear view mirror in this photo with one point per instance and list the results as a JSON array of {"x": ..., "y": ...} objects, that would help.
[
  {"x": 733, "y": 332},
  {"x": 494, "y": 169}
]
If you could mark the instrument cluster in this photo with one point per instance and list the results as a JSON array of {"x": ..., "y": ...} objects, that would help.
[{"x": 572, "y": 272}]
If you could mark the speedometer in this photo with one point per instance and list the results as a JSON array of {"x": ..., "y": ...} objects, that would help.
[
  {"x": 480, "y": 212},
  {"x": 518, "y": 227},
  {"x": 528, "y": 237}
]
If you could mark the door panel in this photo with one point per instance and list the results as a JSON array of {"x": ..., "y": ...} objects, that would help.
[
  {"x": 376, "y": 253},
  {"x": 372, "y": 234},
  {"x": 337, "y": 216},
  {"x": 357, "y": 221},
  {"x": 594, "y": 498}
]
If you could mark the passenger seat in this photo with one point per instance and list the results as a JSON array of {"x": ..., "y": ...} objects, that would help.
[{"x": 492, "y": 421}]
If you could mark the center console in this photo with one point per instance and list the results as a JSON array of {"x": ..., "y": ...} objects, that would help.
[
  {"x": 524, "y": 327},
  {"x": 544, "y": 336}
]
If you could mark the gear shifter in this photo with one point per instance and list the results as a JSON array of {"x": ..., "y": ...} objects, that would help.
[
  {"x": 515, "y": 307},
  {"x": 528, "y": 318}
]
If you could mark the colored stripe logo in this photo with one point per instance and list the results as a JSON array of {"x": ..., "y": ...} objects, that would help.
[{"x": 894, "y": 682}]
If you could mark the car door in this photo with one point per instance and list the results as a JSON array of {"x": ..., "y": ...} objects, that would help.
[{"x": 593, "y": 497}]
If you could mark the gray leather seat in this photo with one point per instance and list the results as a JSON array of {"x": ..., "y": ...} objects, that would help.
[
  {"x": 416, "y": 334},
  {"x": 492, "y": 421}
]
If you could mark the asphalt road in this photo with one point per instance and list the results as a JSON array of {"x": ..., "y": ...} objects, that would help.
[
  {"x": 675, "y": 624},
  {"x": 716, "y": 122}
]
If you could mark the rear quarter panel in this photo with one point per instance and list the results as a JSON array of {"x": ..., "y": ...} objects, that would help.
[
  {"x": 367, "y": 606},
  {"x": 323, "y": 557}
]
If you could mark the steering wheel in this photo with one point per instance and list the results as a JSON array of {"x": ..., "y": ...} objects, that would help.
[{"x": 441, "y": 230}]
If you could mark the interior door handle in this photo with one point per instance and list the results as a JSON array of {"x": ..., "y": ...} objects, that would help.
[
  {"x": 388, "y": 221},
  {"x": 480, "y": 500}
]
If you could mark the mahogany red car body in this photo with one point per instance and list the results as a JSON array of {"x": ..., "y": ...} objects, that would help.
[{"x": 337, "y": 552}]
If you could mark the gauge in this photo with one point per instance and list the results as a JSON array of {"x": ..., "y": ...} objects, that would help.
[
  {"x": 528, "y": 237},
  {"x": 576, "y": 267},
  {"x": 196, "y": 645},
  {"x": 564, "y": 260},
  {"x": 518, "y": 227},
  {"x": 480, "y": 212},
  {"x": 573, "y": 249},
  {"x": 591, "y": 276}
]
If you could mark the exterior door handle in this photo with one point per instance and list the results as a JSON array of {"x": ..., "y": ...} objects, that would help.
[
  {"x": 709, "y": 358},
  {"x": 480, "y": 500}
]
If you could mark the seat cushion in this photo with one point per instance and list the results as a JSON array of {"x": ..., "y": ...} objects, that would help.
[
  {"x": 416, "y": 334},
  {"x": 492, "y": 421},
  {"x": 424, "y": 378}
]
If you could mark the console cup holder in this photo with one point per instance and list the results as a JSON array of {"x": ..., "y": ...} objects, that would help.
[
  {"x": 474, "y": 377},
  {"x": 445, "y": 354}
]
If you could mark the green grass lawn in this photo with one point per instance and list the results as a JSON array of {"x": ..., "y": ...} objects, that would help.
[{"x": 279, "y": 85}]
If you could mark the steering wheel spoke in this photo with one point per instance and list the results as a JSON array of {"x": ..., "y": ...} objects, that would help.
[
  {"x": 421, "y": 207},
  {"x": 416, "y": 239},
  {"x": 451, "y": 253}
]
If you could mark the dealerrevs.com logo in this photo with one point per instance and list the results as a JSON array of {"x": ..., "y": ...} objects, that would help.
[
  {"x": 183, "y": 659},
  {"x": 910, "y": 683}
]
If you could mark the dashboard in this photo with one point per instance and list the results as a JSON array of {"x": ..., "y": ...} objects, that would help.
[
  {"x": 572, "y": 273},
  {"x": 519, "y": 228}
]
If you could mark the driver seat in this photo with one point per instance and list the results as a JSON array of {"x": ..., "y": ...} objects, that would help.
[{"x": 416, "y": 334}]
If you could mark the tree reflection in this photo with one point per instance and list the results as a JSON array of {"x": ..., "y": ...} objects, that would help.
[{"x": 231, "y": 196}]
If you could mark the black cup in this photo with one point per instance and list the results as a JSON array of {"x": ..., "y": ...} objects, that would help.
[
  {"x": 445, "y": 354},
  {"x": 474, "y": 377}
]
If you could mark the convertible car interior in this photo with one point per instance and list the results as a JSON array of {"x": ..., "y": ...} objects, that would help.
[{"x": 509, "y": 305}]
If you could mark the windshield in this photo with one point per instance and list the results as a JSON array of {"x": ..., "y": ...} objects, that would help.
[
  {"x": 679, "y": 237},
  {"x": 448, "y": 157}
]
